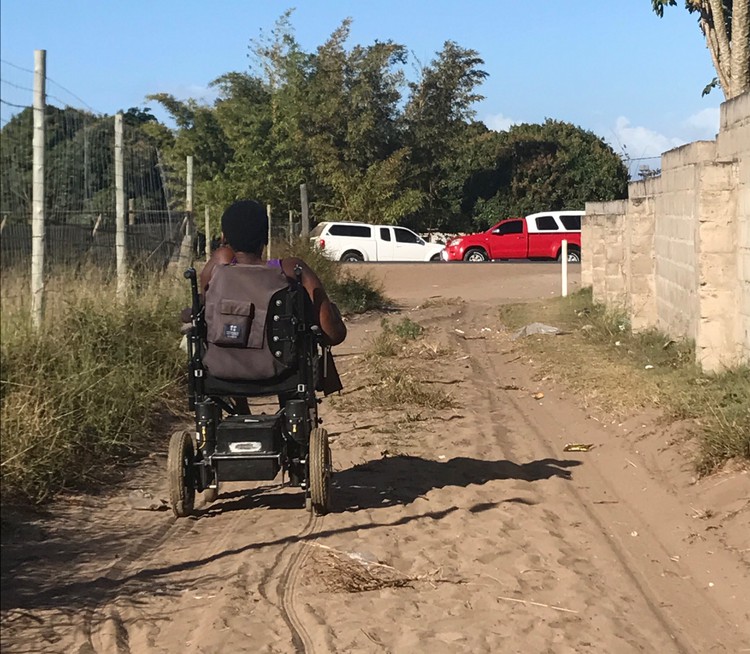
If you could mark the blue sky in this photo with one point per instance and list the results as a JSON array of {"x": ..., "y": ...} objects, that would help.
[{"x": 609, "y": 66}]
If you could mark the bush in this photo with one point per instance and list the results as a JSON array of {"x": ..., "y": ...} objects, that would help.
[{"x": 352, "y": 294}]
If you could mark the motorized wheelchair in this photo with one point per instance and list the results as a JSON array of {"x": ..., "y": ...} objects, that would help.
[{"x": 230, "y": 445}]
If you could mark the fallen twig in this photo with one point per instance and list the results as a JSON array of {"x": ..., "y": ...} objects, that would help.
[
  {"x": 372, "y": 638},
  {"x": 546, "y": 606},
  {"x": 354, "y": 558}
]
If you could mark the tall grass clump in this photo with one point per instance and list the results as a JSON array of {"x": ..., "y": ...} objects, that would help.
[
  {"x": 84, "y": 389},
  {"x": 352, "y": 293}
]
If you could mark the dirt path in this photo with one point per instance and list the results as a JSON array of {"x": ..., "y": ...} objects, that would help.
[{"x": 463, "y": 528}]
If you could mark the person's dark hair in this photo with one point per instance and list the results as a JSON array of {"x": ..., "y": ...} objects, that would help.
[{"x": 245, "y": 226}]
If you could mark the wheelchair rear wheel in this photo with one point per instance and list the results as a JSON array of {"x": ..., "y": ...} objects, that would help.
[
  {"x": 180, "y": 471},
  {"x": 320, "y": 471}
]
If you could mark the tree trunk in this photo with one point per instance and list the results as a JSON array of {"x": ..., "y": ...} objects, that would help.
[
  {"x": 713, "y": 24},
  {"x": 740, "y": 68}
]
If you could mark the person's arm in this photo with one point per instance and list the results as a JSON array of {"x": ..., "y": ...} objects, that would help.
[
  {"x": 327, "y": 313},
  {"x": 219, "y": 257}
]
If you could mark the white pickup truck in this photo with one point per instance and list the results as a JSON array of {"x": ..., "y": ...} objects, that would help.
[{"x": 349, "y": 241}]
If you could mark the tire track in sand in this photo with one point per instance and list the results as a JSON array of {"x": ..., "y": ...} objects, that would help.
[
  {"x": 109, "y": 634},
  {"x": 684, "y": 634},
  {"x": 283, "y": 590}
]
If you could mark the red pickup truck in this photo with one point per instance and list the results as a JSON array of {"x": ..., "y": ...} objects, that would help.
[{"x": 538, "y": 236}]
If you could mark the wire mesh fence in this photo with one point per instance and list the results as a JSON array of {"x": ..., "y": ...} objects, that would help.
[
  {"x": 79, "y": 182},
  {"x": 148, "y": 245}
]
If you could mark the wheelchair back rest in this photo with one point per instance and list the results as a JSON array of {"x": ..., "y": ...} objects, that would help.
[{"x": 251, "y": 323}]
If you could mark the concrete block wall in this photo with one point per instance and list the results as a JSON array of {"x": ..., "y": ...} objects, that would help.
[
  {"x": 602, "y": 231},
  {"x": 675, "y": 244},
  {"x": 733, "y": 145},
  {"x": 716, "y": 340},
  {"x": 640, "y": 259},
  {"x": 676, "y": 253}
]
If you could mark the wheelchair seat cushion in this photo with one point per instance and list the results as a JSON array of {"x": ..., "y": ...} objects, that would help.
[{"x": 250, "y": 323}]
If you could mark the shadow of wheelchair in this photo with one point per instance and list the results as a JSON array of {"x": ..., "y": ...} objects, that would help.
[
  {"x": 390, "y": 481},
  {"x": 402, "y": 479}
]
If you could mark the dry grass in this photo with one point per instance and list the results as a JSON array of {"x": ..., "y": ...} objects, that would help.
[
  {"x": 340, "y": 571},
  {"x": 83, "y": 391},
  {"x": 433, "y": 302},
  {"x": 618, "y": 371},
  {"x": 398, "y": 385},
  {"x": 401, "y": 387}
]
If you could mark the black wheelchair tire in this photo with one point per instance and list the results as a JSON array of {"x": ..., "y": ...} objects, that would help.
[
  {"x": 320, "y": 471},
  {"x": 180, "y": 460}
]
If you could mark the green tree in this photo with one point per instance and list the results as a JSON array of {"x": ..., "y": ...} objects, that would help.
[
  {"x": 436, "y": 117},
  {"x": 79, "y": 165},
  {"x": 532, "y": 167},
  {"x": 280, "y": 74},
  {"x": 356, "y": 147},
  {"x": 725, "y": 24}
]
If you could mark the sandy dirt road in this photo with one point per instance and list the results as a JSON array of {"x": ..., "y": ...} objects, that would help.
[{"x": 463, "y": 528}]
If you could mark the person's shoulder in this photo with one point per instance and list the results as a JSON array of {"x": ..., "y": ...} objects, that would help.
[{"x": 223, "y": 255}]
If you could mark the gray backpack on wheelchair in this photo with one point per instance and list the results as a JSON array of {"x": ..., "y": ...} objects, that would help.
[
  {"x": 249, "y": 323},
  {"x": 254, "y": 337}
]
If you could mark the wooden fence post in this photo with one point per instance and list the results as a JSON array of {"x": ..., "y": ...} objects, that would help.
[
  {"x": 186, "y": 248},
  {"x": 120, "y": 233},
  {"x": 305, "y": 229},
  {"x": 208, "y": 233},
  {"x": 268, "y": 213},
  {"x": 37, "y": 190}
]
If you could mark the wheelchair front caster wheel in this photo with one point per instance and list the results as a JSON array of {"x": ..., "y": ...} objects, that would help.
[
  {"x": 180, "y": 470},
  {"x": 210, "y": 495},
  {"x": 320, "y": 471}
]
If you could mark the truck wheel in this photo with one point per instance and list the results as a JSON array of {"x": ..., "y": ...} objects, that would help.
[
  {"x": 435, "y": 257},
  {"x": 574, "y": 255},
  {"x": 352, "y": 256},
  {"x": 475, "y": 255}
]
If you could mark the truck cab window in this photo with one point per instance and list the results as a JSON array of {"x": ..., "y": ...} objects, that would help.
[
  {"x": 361, "y": 231},
  {"x": 385, "y": 234},
  {"x": 546, "y": 224},
  {"x": 572, "y": 223},
  {"x": 511, "y": 227},
  {"x": 406, "y": 236}
]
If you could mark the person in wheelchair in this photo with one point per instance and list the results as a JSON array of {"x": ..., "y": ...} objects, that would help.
[
  {"x": 244, "y": 235},
  {"x": 260, "y": 328}
]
